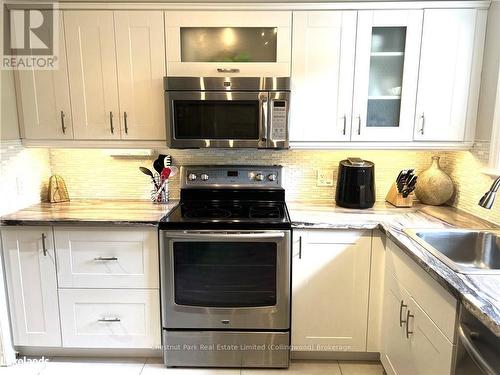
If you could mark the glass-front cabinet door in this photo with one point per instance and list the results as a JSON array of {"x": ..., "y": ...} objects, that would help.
[
  {"x": 385, "y": 85},
  {"x": 232, "y": 43}
]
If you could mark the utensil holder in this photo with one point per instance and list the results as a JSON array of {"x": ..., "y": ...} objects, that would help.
[
  {"x": 395, "y": 198},
  {"x": 157, "y": 196}
]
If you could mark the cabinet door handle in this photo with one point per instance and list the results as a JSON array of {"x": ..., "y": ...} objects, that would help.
[
  {"x": 104, "y": 259},
  {"x": 300, "y": 247},
  {"x": 422, "y": 123},
  {"x": 401, "y": 307},
  {"x": 109, "y": 320},
  {"x": 125, "y": 122},
  {"x": 228, "y": 70},
  {"x": 44, "y": 247},
  {"x": 345, "y": 125},
  {"x": 408, "y": 316},
  {"x": 111, "y": 122},
  {"x": 359, "y": 124},
  {"x": 63, "y": 126}
]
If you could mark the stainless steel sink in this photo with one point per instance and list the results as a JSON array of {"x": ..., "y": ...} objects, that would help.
[{"x": 465, "y": 251}]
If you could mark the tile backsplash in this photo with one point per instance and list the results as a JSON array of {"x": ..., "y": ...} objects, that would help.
[
  {"x": 464, "y": 168},
  {"x": 24, "y": 175},
  {"x": 91, "y": 173}
]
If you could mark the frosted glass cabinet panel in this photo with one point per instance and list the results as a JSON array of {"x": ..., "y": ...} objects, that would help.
[
  {"x": 228, "y": 43},
  {"x": 388, "y": 50},
  {"x": 386, "y": 76}
]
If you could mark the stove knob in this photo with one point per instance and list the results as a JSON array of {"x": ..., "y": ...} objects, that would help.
[
  {"x": 204, "y": 177},
  {"x": 192, "y": 177},
  {"x": 272, "y": 177},
  {"x": 259, "y": 177}
]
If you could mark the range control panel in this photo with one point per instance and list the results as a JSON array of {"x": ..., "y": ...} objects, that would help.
[{"x": 260, "y": 177}]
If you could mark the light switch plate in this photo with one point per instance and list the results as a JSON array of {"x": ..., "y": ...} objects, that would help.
[{"x": 325, "y": 177}]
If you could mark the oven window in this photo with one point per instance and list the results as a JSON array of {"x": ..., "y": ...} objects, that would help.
[
  {"x": 216, "y": 119},
  {"x": 225, "y": 274}
]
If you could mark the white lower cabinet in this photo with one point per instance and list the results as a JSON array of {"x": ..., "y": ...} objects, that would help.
[
  {"x": 110, "y": 318},
  {"x": 330, "y": 285},
  {"x": 412, "y": 342},
  {"x": 30, "y": 272},
  {"x": 108, "y": 292}
]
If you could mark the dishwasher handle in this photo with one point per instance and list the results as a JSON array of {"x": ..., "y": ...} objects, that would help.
[{"x": 465, "y": 336}]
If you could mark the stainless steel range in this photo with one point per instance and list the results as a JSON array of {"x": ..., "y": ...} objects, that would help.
[{"x": 225, "y": 269}]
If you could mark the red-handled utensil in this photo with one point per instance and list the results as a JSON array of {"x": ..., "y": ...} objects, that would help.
[{"x": 165, "y": 173}]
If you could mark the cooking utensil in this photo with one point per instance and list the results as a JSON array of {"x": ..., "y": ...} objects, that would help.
[
  {"x": 159, "y": 163},
  {"x": 167, "y": 162},
  {"x": 173, "y": 170},
  {"x": 148, "y": 172},
  {"x": 165, "y": 174}
]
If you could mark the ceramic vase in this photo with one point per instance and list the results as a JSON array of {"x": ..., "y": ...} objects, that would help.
[{"x": 434, "y": 186}]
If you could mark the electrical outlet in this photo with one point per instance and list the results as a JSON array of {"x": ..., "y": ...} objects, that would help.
[{"x": 325, "y": 177}]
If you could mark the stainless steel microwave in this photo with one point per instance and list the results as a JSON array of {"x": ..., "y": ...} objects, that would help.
[{"x": 227, "y": 112}]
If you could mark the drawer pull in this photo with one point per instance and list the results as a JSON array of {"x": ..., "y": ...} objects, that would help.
[
  {"x": 408, "y": 316},
  {"x": 401, "y": 320},
  {"x": 104, "y": 259},
  {"x": 109, "y": 320}
]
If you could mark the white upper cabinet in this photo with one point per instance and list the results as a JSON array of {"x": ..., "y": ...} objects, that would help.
[
  {"x": 90, "y": 43},
  {"x": 228, "y": 43},
  {"x": 30, "y": 272},
  {"x": 43, "y": 99},
  {"x": 140, "y": 52},
  {"x": 385, "y": 86},
  {"x": 322, "y": 75},
  {"x": 116, "y": 67},
  {"x": 447, "y": 74}
]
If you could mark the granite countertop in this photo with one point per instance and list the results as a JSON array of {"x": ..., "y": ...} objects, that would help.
[
  {"x": 480, "y": 294},
  {"x": 92, "y": 211}
]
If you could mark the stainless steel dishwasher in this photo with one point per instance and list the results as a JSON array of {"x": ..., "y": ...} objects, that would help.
[{"x": 478, "y": 349}]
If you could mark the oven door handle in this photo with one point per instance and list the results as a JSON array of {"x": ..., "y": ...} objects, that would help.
[
  {"x": 465, "y": 335},
  {"x": 236, "y": 236}
]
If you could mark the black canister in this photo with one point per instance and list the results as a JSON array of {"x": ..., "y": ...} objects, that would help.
[{"x": 356, "y": 183}]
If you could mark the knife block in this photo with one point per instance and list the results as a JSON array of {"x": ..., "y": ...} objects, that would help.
[{"x": 395, "y": 198}]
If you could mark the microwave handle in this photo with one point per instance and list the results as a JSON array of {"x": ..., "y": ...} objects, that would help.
[{"x": 265, "y": 118}]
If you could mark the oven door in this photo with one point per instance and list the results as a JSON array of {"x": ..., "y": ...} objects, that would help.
[
  {"x": 225, "y": 280},
  {"x": 203, "y": 119}
]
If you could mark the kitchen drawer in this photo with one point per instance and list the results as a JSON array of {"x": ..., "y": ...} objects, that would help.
[
  {"x": 440, "y": 305},
  {"x": 110, "y": 318},
  {"x": 107, "y": 258}
]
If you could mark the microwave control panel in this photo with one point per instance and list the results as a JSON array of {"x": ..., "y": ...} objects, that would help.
[{"x": 279, "y": 120}]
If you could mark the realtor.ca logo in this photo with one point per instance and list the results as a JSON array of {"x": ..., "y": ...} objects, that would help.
[{"x": 31, "y": 37}]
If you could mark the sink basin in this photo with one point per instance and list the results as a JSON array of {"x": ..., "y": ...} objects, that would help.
[{"x": 465, "y": 251}]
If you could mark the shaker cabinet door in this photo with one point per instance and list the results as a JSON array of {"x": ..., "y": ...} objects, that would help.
[
  {"x": 43, "y": 99},
  {"x": 322, "y": 75},
  {"x": 30, "y": 268},
  {"x": 140, "y": 52},
  {"x": 385, "y": 86},
  {"x": 445, "y": 73},
  {"x": 330, "y": 282},
  {"x": 90, "y": 44}
]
